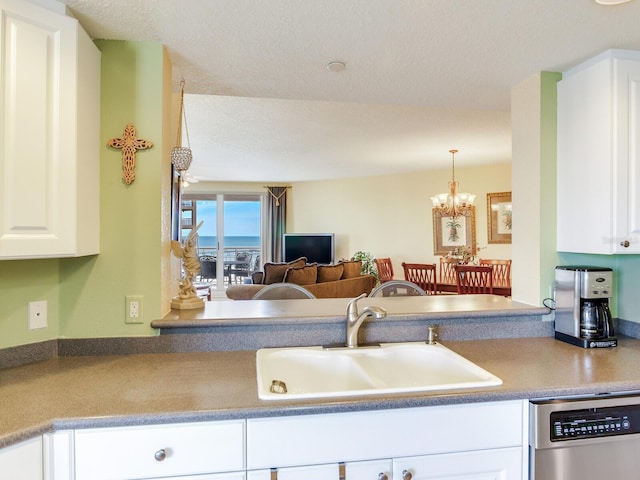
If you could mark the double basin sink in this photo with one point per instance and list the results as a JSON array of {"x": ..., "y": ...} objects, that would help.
[{"x": 317, "y": 372}]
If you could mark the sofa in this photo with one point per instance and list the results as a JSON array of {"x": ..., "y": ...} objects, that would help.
[{"x": 341, "y": 280}]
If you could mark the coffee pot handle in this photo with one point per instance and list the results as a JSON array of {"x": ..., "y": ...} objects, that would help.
[{"x": 605, "y": 317}]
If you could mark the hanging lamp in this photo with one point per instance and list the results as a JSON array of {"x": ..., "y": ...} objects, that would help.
[{"x": 181, "y": 156}]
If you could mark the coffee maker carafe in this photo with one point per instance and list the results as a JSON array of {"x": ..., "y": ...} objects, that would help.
[{"x": 582, "y": 312}]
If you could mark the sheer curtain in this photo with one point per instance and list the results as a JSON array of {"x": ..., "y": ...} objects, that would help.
[{"x": 276, "y": 221}]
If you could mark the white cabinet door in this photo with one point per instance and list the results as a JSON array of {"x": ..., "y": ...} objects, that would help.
[
  {"x": 367, "y": 470},
  {"x": 503, "y": 464},
  {"x": 58, "y": 455},
  {"x": 22, "y": 461},
  {"x": 598, "y": 162},
  {"x": 49, "y": 134},
  {"x": 629, "y": 83}
]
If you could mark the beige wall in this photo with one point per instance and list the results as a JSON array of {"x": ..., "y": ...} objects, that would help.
[{"x": 391, "y": 215}]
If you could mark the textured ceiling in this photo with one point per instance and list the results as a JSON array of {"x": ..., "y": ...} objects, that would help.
[{"x": 422, "y": 76}]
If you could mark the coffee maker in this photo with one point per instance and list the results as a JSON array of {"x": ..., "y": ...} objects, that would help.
[{"x": 581, "y": 297}]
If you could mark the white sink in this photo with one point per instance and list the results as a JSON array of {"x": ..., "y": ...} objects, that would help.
[{"x": 316, "y": 372}]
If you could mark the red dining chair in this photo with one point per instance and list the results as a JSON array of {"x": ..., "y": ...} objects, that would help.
[
  {"x": 474, "y": 279},
  {"x": 422, "y": 274},
  {"x": 447, "y": 272},
  {"x": 501, "y": 271},
  {"x": 385, "y": 269}
]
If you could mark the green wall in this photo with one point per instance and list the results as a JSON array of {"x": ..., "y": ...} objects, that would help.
[
  {"x": 21, "y": 282},
  {"x": 548, "y": 147},
  {"x": 93, "y": 289}
]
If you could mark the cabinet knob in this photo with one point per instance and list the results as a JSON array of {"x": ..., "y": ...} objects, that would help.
[
  {"x": 625, "y": 244},
  {"x": 160, "y": 455},
  {"x": 406, "y": 475},
  {"x": 382, "y": 476}
]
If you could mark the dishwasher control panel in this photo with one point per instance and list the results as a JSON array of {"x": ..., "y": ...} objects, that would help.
[{"x": 594, "y": 422}]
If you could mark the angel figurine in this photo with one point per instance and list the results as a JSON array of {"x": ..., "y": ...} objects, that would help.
[{"x": 188, "y": 297}]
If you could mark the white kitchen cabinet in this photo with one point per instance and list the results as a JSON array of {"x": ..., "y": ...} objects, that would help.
[
  {"x": 467, "y": 441},
  {"x": 49, "y": 134},
  {"x": 22, "y": 461},
  {"x": 369, "y": 470},
  {"x": 501, "y": 464},
  {"x": 472, "y": 439},
  {"x": 161, "y": 451},
  {"x": 598, "y": 162}
]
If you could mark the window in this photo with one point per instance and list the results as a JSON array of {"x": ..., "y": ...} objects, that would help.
[{"x": 231, "y": 236}]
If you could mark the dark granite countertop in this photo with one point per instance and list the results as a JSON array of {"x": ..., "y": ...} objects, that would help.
[{"x": 103, "y": 391}]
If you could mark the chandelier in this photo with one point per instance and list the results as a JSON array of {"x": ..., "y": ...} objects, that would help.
[
  {"x": 181, "y": 156},
  {"x": 453, "y": 204}
]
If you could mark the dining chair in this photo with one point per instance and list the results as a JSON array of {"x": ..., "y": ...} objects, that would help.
[
  {"x": 207, "y": 269},
  {"x": 474, "y": 279},
  {"x": 397, "y": 288},
  {"x": 422, "y": 274},
  {"x": 385, "y": 269},
  {"x": 241, "y": 268},
  {"x": 447, "y": 272},
  {"x": 283, "y": 291},
  {"x": 501, "y": 271}
]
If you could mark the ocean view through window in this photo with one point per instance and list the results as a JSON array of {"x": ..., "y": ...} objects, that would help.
[{"x": 230, "y": 238}]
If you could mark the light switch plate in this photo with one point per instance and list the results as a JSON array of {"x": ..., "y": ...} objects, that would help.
[{"x": 37, "y": 315}]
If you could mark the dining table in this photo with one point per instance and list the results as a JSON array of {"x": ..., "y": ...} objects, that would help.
[{"x": 502, "y": 290}]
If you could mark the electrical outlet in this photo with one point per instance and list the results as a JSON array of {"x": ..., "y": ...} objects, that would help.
[
  {"x": 133, "y": 309},
  {"x": 37, "y": 315}
]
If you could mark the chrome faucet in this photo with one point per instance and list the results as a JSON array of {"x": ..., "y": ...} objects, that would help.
[{"x": 355, "y": 319}]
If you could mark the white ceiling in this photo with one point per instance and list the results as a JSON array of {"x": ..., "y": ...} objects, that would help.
[{"x": 422, "y": 76}]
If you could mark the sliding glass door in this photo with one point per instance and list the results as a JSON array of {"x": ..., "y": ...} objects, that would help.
[{"x": 230, "y": 237}]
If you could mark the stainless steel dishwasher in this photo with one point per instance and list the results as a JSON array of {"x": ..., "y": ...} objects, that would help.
[{"x": 585, "y": 438}]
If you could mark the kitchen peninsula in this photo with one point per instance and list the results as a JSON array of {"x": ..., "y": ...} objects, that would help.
[
  {"x": 253, "y": 324},
  {"x": 69, "y": 394}
]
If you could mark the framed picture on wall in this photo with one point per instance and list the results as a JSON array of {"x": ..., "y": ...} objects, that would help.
[
  {"x": 449, "y": 233},
  {"x": 499, "y": 217}
]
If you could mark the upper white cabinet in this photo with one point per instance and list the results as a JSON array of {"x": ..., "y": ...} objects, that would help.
[
  {"x": 49, "y": 134},
  {"x": 599, "y": 155}
]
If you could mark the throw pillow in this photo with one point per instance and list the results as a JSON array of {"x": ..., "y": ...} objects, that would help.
[
  {"x": 274, "y": 272},
  {"x": 330, "y": 273},
  {"x": 302, "y": 275},
  {"x": 352, "y": 269}
]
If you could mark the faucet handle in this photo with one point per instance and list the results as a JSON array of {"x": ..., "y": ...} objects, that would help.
[{"x": 352, "y": 306}]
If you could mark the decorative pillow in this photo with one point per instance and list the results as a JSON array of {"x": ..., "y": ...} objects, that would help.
[
  {"x": 329, "y": 273},
  {"x": 302, "y": 275},
  {"x": 352, "y": 269},
  {"x": 274, "y": 272}
]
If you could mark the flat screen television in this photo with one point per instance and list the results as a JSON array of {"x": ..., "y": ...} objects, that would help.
[{"x": 317, "y": 247}]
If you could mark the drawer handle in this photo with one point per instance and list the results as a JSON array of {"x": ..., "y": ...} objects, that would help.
[
  {"x": 625, "y": 244},
  {"x": 382, "y": 476},
  {"x": 406, "y": 475},
  {"x": 160, "y": 455}
]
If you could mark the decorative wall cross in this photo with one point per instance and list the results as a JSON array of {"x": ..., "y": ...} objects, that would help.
[{"x": 129, "y": 145}]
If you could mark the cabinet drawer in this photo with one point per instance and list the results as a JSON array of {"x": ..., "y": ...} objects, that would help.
[
  {"x": 317, "y": 439},
  {"x": 159, "y": 450}
]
